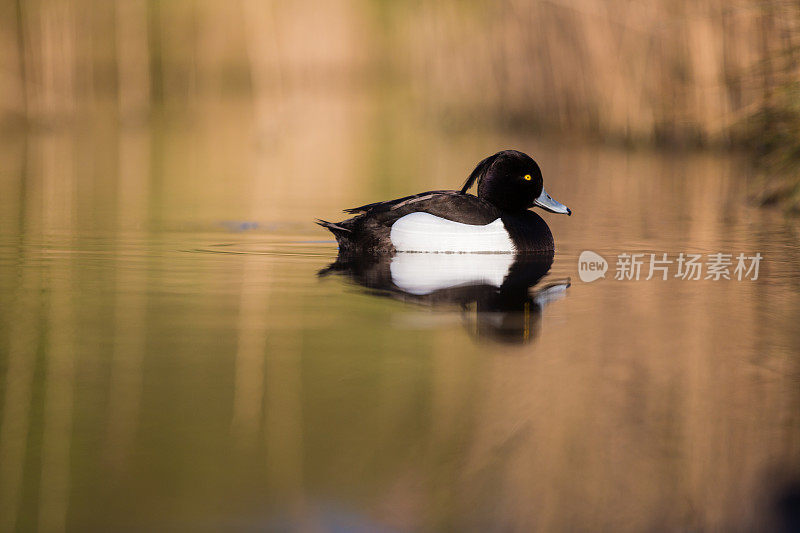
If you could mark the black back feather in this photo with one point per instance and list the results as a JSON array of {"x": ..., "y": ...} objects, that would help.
[
  {"x": 479, "y": 172},
  {"x": 377, "y": 205}
]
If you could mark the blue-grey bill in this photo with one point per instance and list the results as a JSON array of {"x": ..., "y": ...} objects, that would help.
[
  {"x": 551, "y": 293},
  {"x": 546, "y": 202}
]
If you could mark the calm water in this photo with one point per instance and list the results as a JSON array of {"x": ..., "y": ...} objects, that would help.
[{"x": 170, "y": 358}]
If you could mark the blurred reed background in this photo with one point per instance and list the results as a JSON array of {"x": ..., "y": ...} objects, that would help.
[
  {"x": 670, "y": 71},
  {"x": 146, "y": 386}
]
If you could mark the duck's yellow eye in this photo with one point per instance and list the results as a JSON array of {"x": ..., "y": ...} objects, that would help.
[{"x": 527, "y": 177}]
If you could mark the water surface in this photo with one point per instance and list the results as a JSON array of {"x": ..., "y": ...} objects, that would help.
[{"x": 171, "y": 359}]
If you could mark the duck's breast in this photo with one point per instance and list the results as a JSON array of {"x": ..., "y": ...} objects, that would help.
[
  {"x": 424, "y": 232},
  {"x": 529, "y": 231}
]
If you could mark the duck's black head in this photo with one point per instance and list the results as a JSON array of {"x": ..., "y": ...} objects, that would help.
[{"x": 512, "y": 181}]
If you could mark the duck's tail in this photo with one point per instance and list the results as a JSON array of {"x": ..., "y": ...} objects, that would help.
[{"x": 337, "y": 230}]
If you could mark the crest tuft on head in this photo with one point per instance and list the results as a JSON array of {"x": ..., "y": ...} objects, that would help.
[{"x": 479, "y": 172}]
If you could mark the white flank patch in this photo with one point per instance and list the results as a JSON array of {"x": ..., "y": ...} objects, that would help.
[
  {"x": 425, "y": 273},
  {"x": 423, "y": 232}
]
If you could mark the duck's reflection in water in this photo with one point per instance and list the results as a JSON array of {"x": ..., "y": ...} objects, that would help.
[{"x": 492, "y": 290}]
